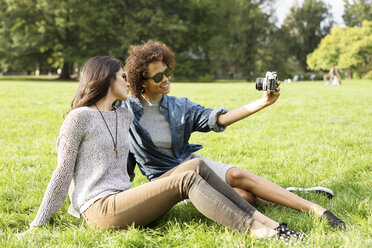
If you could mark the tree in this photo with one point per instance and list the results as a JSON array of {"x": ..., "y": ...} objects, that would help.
[
  {"x": 73, "y": 30},
  {"x": 348, "y": 48},
  {"x": 242, "y": 32},
  {"x": 356, "y": 11},
  {"x": 305, "y": 26},
  {"x": 186, "y": 26},
  {"x": 238, "y": 35},
  {"x": 59, "y": 33},
  {"x": 19, "y": 34}
]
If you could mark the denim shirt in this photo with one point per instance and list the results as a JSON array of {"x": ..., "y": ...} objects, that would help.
[{"x": 184, "y": 117}]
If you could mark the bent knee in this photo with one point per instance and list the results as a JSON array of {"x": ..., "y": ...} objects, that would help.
[
  {"x": 198, "y": 161},
  {"x": 191, "y": 165},
  {"x": 195, "y": 164},
  {"x": 235, "y": 174},
  {"x": 235, "y": 177}
]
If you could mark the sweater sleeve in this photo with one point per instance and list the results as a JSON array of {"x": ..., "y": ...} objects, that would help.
[{"x": 68, "y": 142}]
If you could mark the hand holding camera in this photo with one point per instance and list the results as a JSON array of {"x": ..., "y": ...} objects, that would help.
[{"x": 270, "y": 87}]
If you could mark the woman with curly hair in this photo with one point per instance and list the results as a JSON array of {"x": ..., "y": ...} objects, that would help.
[{"x": 163, "y": 125}]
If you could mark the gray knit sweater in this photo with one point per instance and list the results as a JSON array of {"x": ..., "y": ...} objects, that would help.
[{"x": 87, "y": 166}]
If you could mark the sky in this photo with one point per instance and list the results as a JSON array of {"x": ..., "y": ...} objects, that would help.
[{"x": 282, "y": 9}]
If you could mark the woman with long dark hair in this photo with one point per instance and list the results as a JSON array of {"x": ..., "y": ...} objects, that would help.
[{"x": 92, "y": 168}]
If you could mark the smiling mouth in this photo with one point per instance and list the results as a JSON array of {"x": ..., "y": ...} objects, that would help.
[{"x": 165, "y": 86}]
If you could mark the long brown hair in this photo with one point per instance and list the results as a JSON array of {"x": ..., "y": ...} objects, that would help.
[{"x": 96, "y": 77}]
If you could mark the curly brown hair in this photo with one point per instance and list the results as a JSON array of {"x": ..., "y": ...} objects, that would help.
[{"x": 140, "y": 57}]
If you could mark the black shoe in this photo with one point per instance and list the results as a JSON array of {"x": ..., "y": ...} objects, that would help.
[
  {"x": 333, "y": 220},
  {"x": 319, "y": 190},
  {"x": 283, "y": 237},
  {"x": 284, "y": 232}
]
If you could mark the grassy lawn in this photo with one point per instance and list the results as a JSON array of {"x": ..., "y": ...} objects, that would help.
[{"x": 314, "y": 135}]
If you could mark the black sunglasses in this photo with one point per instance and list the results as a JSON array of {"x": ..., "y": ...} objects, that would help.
[{"x": 159, "y": 76}]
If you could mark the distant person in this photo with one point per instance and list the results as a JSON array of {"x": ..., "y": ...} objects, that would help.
[
  {"x": 312, "y": 77},
  {"x": 337, "y": 77},
  {"x": 37, "y": 72},
  {"x": 295, "y": 78},
  {"x": 333, "y": 77},
  {"x": 302, "y": 77},
  {"x": 251, "y": 74},
  {"x": 163, "y": 126},
  {"x": 92, "y": 168}
]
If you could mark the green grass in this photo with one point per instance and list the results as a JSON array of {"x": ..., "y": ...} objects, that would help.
[{"x": 314, "y": 135}]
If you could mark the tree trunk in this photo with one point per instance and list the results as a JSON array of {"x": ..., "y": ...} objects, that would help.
[{"x": 66, "y": 71}]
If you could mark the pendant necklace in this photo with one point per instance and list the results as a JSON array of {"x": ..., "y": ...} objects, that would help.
[{"x": 116, "y": 132}]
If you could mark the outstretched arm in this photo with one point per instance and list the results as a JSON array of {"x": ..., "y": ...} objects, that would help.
[{"x": 240, "y": 113}]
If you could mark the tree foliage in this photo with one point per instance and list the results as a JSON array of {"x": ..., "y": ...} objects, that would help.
[
  {"x": 356, "y": 11},
  {"x": 210, "y": 37},
  {"x": 304, "y": 27},
  {"x": 53, "y": 33},
  {"x": 345, "y": 48},
  {"x": 56, "y": 33}
]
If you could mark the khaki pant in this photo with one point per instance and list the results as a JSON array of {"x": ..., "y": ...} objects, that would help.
[{"x": 192, "y": 180}]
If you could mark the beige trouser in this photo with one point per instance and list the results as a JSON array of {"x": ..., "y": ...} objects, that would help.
[{"x": 192, "y": 180}]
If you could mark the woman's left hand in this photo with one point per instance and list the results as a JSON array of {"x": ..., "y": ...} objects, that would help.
[{"x": 30, "y": 230}]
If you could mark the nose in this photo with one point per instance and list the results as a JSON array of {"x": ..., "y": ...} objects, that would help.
[{"x": 165, "y": 78}]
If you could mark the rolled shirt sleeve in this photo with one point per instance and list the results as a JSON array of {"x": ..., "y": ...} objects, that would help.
[
  {"x": 204, "y": 119},
  {"x": 213, "y": 116}
]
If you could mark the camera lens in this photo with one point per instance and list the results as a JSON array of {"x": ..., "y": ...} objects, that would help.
[{"x": 259, "y": 82}]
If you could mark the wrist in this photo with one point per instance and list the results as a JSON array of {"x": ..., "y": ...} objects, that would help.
[{"x": 264, "y": 102}]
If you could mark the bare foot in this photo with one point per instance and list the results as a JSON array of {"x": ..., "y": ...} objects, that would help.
[
  {"x": 20, "y": 235},
  {"x": 260, "y": 231},
  {"x": 317, "y": 209},
  {"x": 265, "y": 220}
]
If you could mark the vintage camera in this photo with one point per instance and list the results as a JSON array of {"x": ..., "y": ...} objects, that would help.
[{"x": 268, "y": 83}]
